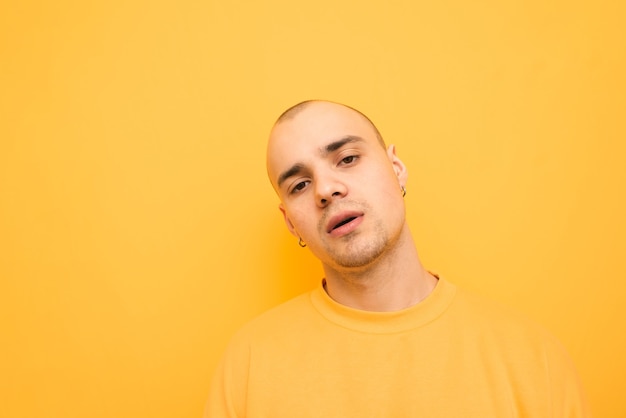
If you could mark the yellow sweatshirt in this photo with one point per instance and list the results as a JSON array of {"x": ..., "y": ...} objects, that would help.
[{"x": 452, "y": 355}]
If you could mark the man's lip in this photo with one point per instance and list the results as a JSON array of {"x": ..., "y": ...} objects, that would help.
[{"x": 339, "y": 218}]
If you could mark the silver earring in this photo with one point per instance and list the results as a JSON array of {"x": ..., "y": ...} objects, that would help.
[
  {"x": 403, "y": 190},
  {"x": 301, "y": 243}
]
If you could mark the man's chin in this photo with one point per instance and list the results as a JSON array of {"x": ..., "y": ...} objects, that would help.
[{"x": 357, "y": 258}]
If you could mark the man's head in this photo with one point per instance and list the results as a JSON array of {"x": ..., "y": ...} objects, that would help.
[{"x": 340, "y": 188}]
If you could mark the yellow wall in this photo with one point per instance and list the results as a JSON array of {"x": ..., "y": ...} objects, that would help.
[{"x": 137, "y": 229}]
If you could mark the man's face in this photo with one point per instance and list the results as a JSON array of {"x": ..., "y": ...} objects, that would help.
[{"x": 340, "y": 190}]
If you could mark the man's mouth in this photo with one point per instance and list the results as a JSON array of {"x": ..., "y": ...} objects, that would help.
[{"x": 344, "y": 222}]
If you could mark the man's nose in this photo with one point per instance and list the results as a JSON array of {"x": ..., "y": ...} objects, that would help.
[{"x": 328, "y": 189}]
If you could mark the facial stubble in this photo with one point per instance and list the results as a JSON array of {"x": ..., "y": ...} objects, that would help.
[{"x": 354, "y": 250}]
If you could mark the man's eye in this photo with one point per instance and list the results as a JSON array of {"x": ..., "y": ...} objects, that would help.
[
  {"x": 298, "y": 187},
  {"x": 349, "y": 159}
]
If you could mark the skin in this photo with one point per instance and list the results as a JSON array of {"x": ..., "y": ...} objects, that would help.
[{"x": 327, "y": 165}]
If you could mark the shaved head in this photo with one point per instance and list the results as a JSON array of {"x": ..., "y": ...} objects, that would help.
[{"x": 299, "y": 107}]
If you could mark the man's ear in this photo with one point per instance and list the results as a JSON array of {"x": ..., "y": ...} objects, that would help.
[
  {"x": 398, "y": 166},
  {"x": 290, "y": 226}
]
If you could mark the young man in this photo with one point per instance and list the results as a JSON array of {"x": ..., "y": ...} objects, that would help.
[{"x": 381, "y": 336}]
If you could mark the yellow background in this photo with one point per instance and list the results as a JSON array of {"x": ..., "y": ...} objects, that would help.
[{"x": 137, "y": 228}]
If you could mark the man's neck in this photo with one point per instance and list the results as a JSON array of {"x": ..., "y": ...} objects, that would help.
[{"x": 395, "y": 282}]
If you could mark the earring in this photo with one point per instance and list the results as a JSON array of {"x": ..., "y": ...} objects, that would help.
[
  {"x": 301, "y": 243},
  {"x": 403, "y": 190}
]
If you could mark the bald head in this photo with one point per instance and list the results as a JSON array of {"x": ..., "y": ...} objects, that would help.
[{"x": 299, "y": 107}]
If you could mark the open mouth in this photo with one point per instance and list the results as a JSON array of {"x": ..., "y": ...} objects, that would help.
[{"x": 345, "y": 221}]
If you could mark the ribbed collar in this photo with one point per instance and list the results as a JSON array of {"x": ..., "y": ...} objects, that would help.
[{"x": 385, "y": 322}]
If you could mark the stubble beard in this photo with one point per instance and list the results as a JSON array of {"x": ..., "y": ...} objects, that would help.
[
  {"x": 359, "y": 252},
  {"x": 355, "y": 250}
]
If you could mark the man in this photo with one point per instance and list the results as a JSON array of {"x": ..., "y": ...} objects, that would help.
[{"x": 381, "y": 336}]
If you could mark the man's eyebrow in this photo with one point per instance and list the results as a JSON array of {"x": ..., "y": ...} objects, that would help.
[
  {"x": 292, "y": 171},
  {"x": 334, "y": 146}
]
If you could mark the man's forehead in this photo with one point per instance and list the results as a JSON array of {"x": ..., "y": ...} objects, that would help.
[{"x": 318, "y": 122}]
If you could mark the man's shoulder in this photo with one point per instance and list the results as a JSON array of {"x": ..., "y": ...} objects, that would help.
[
  {"x": 490, "y": 317},
  {"x": 286, "y": 318}
]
